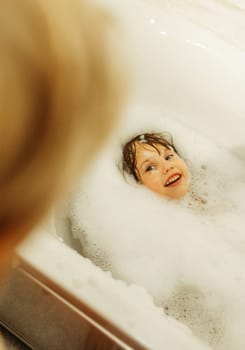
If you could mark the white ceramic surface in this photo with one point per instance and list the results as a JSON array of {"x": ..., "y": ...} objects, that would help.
[{"x": 189, "y": 57}]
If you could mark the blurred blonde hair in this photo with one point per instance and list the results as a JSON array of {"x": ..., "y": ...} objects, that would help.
[{"x": 61, "y": 88}]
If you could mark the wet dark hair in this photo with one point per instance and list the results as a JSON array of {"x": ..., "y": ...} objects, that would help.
[{"x": 129, "y": 150}]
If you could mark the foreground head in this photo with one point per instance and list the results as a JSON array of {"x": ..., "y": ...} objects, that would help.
[
  {"x": 154, "y": 162},
  {"x": 61, "y": 89}
]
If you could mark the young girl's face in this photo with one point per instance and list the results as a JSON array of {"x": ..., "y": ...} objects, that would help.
[{"x": 162, "y": 171}]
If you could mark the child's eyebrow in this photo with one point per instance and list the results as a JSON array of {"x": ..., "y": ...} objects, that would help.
[{"x": 148, "y": 160}]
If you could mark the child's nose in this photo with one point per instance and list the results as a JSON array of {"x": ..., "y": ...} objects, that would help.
[{"x": 167, "y": 167}]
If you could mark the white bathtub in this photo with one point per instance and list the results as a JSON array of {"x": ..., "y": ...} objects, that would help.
[{"x": 183, "y": 67}]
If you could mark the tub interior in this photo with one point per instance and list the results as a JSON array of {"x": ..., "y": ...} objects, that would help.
[
  {"x": 193, "y": 77},
  {"x": 186, "y": 67},
  {"x": 195, "y": 74}
]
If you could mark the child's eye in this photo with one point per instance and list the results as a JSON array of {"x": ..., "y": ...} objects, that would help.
[
  {"x": 169, "y": 156},
  {"x": 150, "y": 168}
]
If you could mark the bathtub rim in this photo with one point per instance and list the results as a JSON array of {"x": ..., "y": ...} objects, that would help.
[{"x": 96, "y": 318}]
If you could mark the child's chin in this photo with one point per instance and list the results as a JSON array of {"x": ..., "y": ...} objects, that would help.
[{"x": 178, "y": 194}]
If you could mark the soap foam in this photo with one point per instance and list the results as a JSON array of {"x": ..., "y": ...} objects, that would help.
[{"x": 189, "y": 253}]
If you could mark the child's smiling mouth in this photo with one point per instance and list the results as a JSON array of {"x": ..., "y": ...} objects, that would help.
[{"x": 173, "y": 180}]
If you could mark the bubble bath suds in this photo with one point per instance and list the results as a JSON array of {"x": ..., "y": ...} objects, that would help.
[{"x": 189, "y": 254}]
